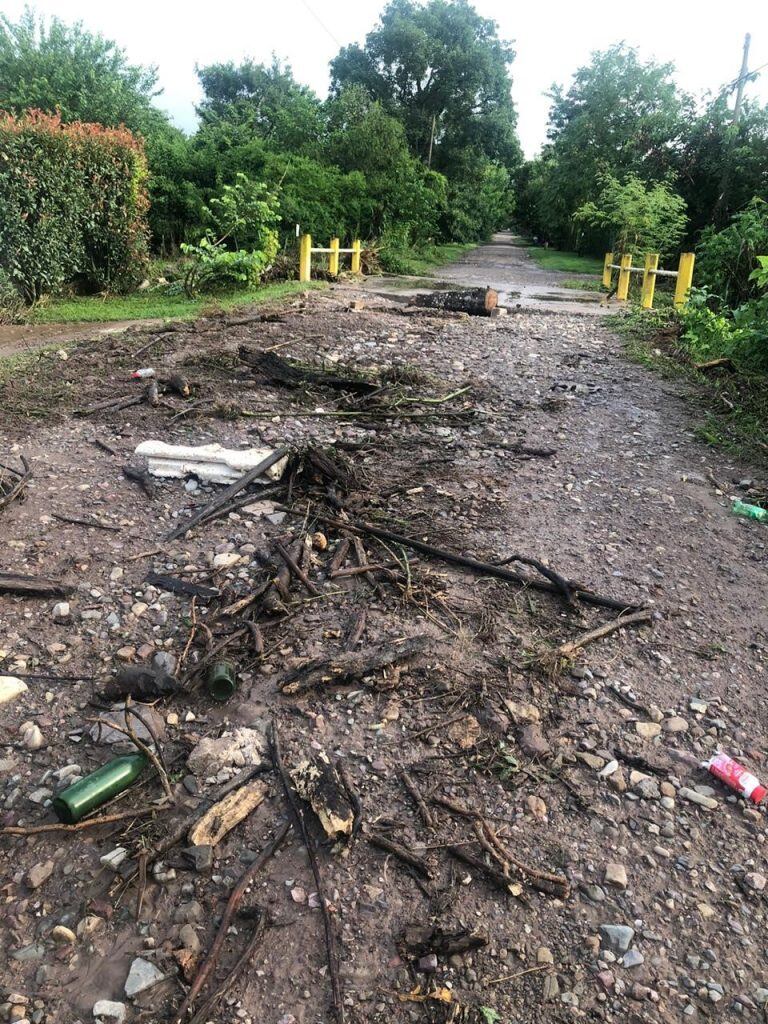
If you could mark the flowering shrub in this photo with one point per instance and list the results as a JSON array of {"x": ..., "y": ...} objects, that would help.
[{"x": 73, "y": 205}]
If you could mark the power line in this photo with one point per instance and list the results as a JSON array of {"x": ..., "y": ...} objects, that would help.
[{"x": 321, "y": 23}]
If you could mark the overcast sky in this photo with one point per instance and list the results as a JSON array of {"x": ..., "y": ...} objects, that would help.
[{"x": 552, "y": 38}]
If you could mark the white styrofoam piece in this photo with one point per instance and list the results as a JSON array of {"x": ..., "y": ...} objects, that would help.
[{"x": 210, "y": 462}]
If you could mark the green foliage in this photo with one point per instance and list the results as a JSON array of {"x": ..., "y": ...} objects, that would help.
[
  {"x": 156, "y": 304},
  {"x": 441, "y": 70},
  {"x": 244, "y": 212},
  {"x": 65, "y": 69},
  {"x": 639, "y": 218},
  {"x": 72, "y": 206},
  {"x": 725, "y": 259},
  {"x": 568, "y": 262}
]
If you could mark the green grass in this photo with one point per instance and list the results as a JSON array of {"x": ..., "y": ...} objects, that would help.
[
  {"x": 567, "y": 262},
  {"x": 583, "y": 284},
  {"x": 156, "y": 305},
  {"x": 733, "y": 406},
  {"x": 421, "y": 262}
]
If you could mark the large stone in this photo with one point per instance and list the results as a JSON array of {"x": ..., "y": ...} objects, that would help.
[
  {"x": 648, "y": 730},
  {"x": 142, "y": 975},
  {"x": 674, "y": 724},
  {"x": 105, "y": 734},
  {"x": 616, "y": 937},
  {"x": 39, "y": 874},
  {"x": 108, "y": 1012},
  {"x": 522, "y": 713},
  {"x": 240, "y": 748},
  {"x": 533, "y": 741},
  {"x": 10, "y": 688},
  {"x": 616, "y": 874},
  {"x": 697, "y": 798}
]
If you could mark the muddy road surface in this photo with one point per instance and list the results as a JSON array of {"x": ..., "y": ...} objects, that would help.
[{"x": 522, "y": 832}]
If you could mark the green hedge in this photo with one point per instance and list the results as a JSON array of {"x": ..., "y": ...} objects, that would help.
[{"x": 73, "y": 206}]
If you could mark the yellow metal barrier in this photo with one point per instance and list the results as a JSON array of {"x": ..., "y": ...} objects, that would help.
[
  {"x": 650, "y": 272},
  {"x": 334, "y": 249}
]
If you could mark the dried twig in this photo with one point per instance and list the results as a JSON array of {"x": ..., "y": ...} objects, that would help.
[
  {"x": 426, "y": 815},
  {"x": 97, "y": 524},
  {"x": 400, "y": 852},
  {"x": 567, "y": 650},
  {"x": 297, "y": 571},
  {"x": 21, "y": 481},
  {"x": 105, "y": 819},
  {"x": 235, "y": 898},
  {"x": 331, "y": 950}
]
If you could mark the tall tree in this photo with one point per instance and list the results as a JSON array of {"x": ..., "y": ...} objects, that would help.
[
  {"x": 265, "y": 99},
  {"x": 441, "y": 69},
  {"x": 620, "y": 115},
  {"x": 58, "y": 67}
]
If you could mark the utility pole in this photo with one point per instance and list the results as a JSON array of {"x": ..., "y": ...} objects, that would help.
[
  {"x": 431, "y": 141},
  {"x": 743, "y": 74}
]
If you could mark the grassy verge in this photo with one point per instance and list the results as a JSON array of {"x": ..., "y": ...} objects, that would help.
[
  {"x": 423, "y": 261},
  {"x": 583, "y": 284},
  {"x": 733, "y": 406},
  {"x": 156, "y": 305},
  {"x": 567, "y": 262}
]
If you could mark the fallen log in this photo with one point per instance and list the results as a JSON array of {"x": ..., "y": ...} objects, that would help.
[
  {"x": 475, "y": 301},
  {"x": 294, "y": 375},
  {"x": 350, "y": 665},
  {"x": 318, "y": 782},
  {"x": 32, "y": 586}
]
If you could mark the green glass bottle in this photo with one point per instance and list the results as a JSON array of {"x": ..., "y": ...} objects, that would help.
[
  {"x": 95, "y": 789},
  {"x": 741, "y": 508},
  {"x": 221, "y": 681}
]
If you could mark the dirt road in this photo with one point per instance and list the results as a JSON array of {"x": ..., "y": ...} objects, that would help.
[{"x": 652, "y": 905}]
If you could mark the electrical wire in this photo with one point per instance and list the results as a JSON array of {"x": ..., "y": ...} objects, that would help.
[{"x": 321, "y": 23}]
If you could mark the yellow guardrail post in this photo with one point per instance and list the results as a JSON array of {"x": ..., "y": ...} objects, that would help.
[
  {"x": 684, "y": 278},
  {"x": 305, "y": 258},
  {"x": 622, "y": 291},
  {"x": 333, "y": 257},
  {"x": 607, "y": 270},
  {"x": 356, "y": 250},
  {"x": 649, "y": 279}
]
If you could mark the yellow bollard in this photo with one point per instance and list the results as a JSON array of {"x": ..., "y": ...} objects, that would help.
[
  {"x": 333, "y": 257},
  {"x": 684, "y": 278},
  {"x": 622, "y": 291},
  {"x": 607, "y": 270},
  {"x": 649, "y": 280},
  {"x": 356, "y": 249},
  {"x": 305, "y": 258}
]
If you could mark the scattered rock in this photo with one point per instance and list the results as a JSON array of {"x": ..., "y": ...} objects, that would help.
[
  {"x": 674, "y": 724},
  {"x": 107, "y": 1012},
  {"x": 633, "y": 958},
  {"x": 697, "y": 798},
  {"x": 62, "y": 611},
  {"x": 39, "y": 874},
  {"x": 537, "y": 807},
  {"x": 615, "y": 874},
  {"x": 755, "y": 881},
  {"x": 616, "y": 937},
  {"x": 533, "y": 741},
  {"x": 114, "y": 858},
  {"x": 240, "y": 748},
  {"x": 648, "y": 730},
  {"x": 31, "y": 736},
  {"x": 10, "y": 688},
  {"x": 142, "y": 975},
  {"x": 63, "y": 936}
]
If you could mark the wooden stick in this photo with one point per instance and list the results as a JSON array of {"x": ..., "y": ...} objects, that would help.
[
  {"x": 205, "y": 513},
  {"x": 567, "y": 650},
  {"x": 354, "y": 799},
  {"x": 482, "y": 568},
  {"x": 296, "y": 570},
  {"x": 499, "y": 880},
  {"x": 400, "y": 852},
  {"x": 235, "y": 898},
  {"x": 519, "y": 974},
  {"x": 106, "y": 819},
  {"x": 356, "y": 632},
  {"x": 18, "y": 487},
  {"x": 426, "y": 815},
  {"x": 95, "y": 523},
  {"x": 34, "y": 586},
  {"x": 339, "y": 556},
  {"x": 331, "y": 950},
  {"x": 204, "y": 1013}
]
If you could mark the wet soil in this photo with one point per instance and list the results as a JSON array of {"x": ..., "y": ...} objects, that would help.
[{"x": 631, "y": 505}]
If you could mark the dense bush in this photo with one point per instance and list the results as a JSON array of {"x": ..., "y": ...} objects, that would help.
[
  {"x": 73, "y": 205},
  {"x": 726, "y": 259}
]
